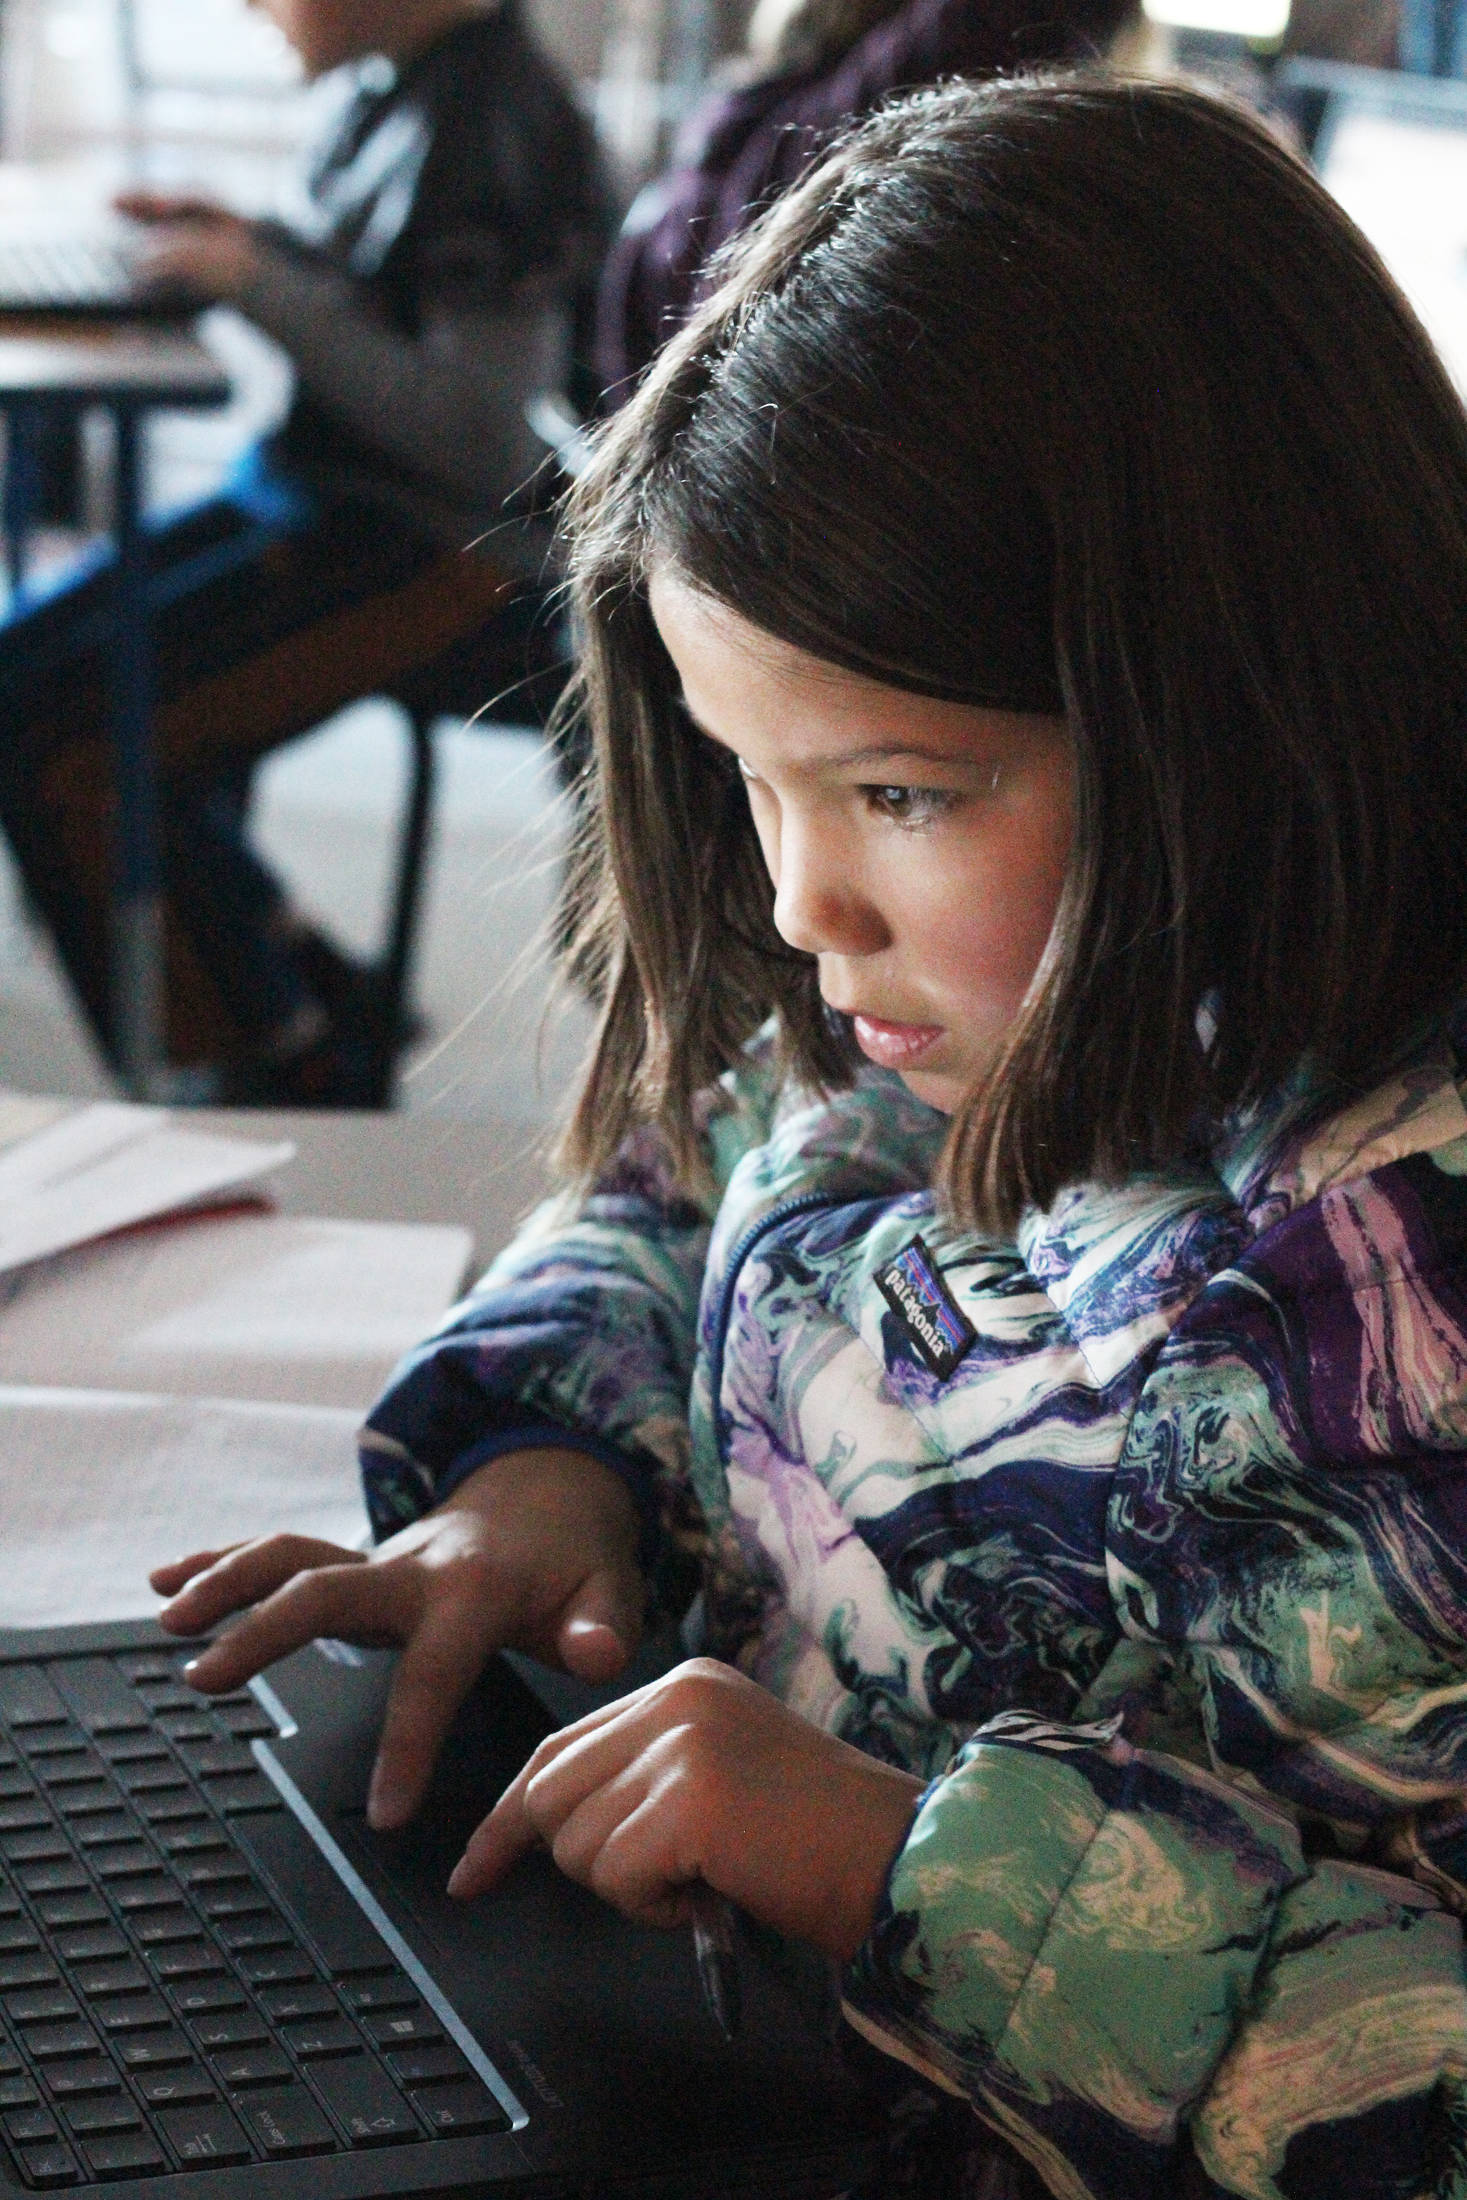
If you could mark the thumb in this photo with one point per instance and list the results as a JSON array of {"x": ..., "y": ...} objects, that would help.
[{"x": 600, "y": 1623}]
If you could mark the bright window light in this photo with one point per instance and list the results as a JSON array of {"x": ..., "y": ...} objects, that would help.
[{"x": 1261, "y": 20}]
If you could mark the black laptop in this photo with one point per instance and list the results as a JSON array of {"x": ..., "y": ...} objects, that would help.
[{"x": 216, "y": 1981}]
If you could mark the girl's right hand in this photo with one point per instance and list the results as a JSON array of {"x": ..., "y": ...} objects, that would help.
[{"x": 536, "y": 1551}]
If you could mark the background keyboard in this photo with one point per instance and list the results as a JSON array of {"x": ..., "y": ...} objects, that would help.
[
  {"x": 159, "y": 2010},
  {"x": 70, "y": 274}
]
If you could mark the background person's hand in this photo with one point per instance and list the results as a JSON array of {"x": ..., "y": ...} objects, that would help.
[
  {"x": 196, "y": 246},
  {"x": 704, "y": 1775},
  {"x": 536, "y": 1551}
]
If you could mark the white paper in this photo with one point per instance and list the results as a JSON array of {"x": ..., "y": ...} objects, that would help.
[
  {"x": 96, "y": 1488},
  {"x": 106, "y": 1167},
  {"x": 252, "y": 1306}
]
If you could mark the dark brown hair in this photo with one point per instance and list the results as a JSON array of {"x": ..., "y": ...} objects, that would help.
[{"x": 1114, "y": 332}]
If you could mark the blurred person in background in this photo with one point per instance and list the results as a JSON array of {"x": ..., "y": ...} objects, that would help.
[
  {"x": 809, "y": 67},
  {"x": 457, "y": 213}
]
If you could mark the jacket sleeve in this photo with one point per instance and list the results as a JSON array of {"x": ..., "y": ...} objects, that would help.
[
  {"x": 1122, "y": 1956},
  {"x": 445, "y": 402},
  {"x": 582, "y": 1331}
]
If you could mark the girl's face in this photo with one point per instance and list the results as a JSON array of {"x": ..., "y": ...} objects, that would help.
[{"x": 917, "y": 846}]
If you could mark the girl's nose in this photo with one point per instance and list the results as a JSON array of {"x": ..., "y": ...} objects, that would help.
[{"x": 819, "y": 905}]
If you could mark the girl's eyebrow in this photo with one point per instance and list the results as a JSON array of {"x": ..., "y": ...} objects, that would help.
[{"x": 881, "y": 752}]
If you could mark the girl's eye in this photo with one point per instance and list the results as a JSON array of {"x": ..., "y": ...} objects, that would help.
[{"x": 910, "y": 805}]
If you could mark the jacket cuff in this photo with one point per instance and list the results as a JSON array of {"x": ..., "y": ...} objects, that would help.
[{"x": 1068, "y": 1937}]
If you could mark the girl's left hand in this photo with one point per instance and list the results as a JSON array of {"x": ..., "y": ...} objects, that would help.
[{"x": 706, "y": 1776}]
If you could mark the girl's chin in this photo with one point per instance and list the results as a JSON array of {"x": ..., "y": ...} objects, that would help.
[{"x": 934, "y": 1090}]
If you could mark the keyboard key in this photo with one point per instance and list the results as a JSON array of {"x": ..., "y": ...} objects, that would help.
[
  {"x": 173, "y": 1806},
  {"x": 30, "y": 1848},
  {"x": 106, "y": 1963},
  {"x": 245, "y": 1793},
  {"x": 15, "y": 1785},
  {"x": 239, "y": 1898},
  {"x": 98, "y": 1980},
  {"x": 228, "y": 2028},
  {"x": 380, "y": 1990},
  {"x": 9, "y": 1900},
  {"x": 428, "y": 2066},
  {"x": 185, "y": 2082},
  {"x": 288, "y": 2122},
  {"x": 150, "y": 1778},
  {"x": 188, "y": 1726},
  {"x": 365, "y": 2102},
  {"x": 453, "y": 2111},
  {"x": 154, "y": 2050},
  {"x": 129, "y": 2154},
  {"x": 65, "y": 1771},
  {"x": 186, "y": 1959},
  {"x": 219, "y": 1871},
  {"x": 277, "y": 1967},
  {"x": 9, "y": 2060},
  {"x": 265, "y": 1931},
  {"x": 403, "y": 2028},
  {"x": 70, "y": 2080},
  {"x": 42, "y": 2005},
  {"x": 100, "y": 1697},
  {"x": 147, "y": 1665},
  {"x": 103, "y": 2113},
  {"x": 31, "y": 2124},
  {"x": 245, "y": 2066},
  {"x": 48, "y": 2166},
  {"x": 106, "y": 1829},
  {"x": 53, "y": 2042},
  {"x": 153, "y": 1928},
  {"x": 27, "y": 1698},
  {"x": 28, "y": 1970},
  {"x": 169, "y": 1695},
  {"x": 25, "y": 1815},
  {"x": 248, "y": 1720},
  {"x": 126, "y": 1862},
  {"x": 324, "y": 2036},
  {"x": 207, "y": 1993},
  {"x": 57, "y": 1910},
  {"x": 198, "y": 1839},
  {"x": 86, "y": 1800},
  {"x": 59, "y": 1875},
  {"x": 211, "y": 1759},
  {"x": 132, "y": 2012},
  {"x": 134, "y": 1749},
  {"x": 17, "y": 2091},
  {"x": 206, "y": 2137},
  {"x": 16, "y": 1934},
  {"x": 148, "y": 1891},
  {"x": 286, "y": 2002}
]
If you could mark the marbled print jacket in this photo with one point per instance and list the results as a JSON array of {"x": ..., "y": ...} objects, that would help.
[{"x": 1163, "y": 1588}]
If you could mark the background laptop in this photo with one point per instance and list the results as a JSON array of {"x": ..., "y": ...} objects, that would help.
[
  {"x": 215, "y": 1981},
  {"x": 57, "y": 267}
]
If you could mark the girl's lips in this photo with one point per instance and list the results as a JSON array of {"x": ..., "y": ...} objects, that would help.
[{"x": 893, "y": 1046}]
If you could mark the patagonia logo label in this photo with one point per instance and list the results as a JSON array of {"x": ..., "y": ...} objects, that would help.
[{"x": 913, "y": 1288}]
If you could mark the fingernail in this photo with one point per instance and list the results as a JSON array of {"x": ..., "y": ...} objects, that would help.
[{"x": 456, "y": 1879}]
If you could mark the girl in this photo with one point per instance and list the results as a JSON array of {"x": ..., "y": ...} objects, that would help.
[{"x": 1024, "y": 621}]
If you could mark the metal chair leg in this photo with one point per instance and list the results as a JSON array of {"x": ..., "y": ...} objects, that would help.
[{"x": 395, "y": 967}]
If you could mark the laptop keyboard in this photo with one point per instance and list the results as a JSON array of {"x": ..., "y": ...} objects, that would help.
[
  {"x": 41, "y": 273},
  {"x": 159, "y": 2012}
]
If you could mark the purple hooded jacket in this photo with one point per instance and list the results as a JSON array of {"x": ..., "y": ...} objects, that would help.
[{"x": 746, "y": 144}]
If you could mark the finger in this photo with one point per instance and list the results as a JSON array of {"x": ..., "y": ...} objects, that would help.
[
  {"x": 640, "y": 1870},
  {"x": 514, "y": 1826},
  {"x": 443, "y": 1659},
  {"x": 245, "y": 1572},
  {"x": 168, "y": 1579},
  {"x": 354, "y": 1601},
  {"x": 601, "y": 1624}
]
